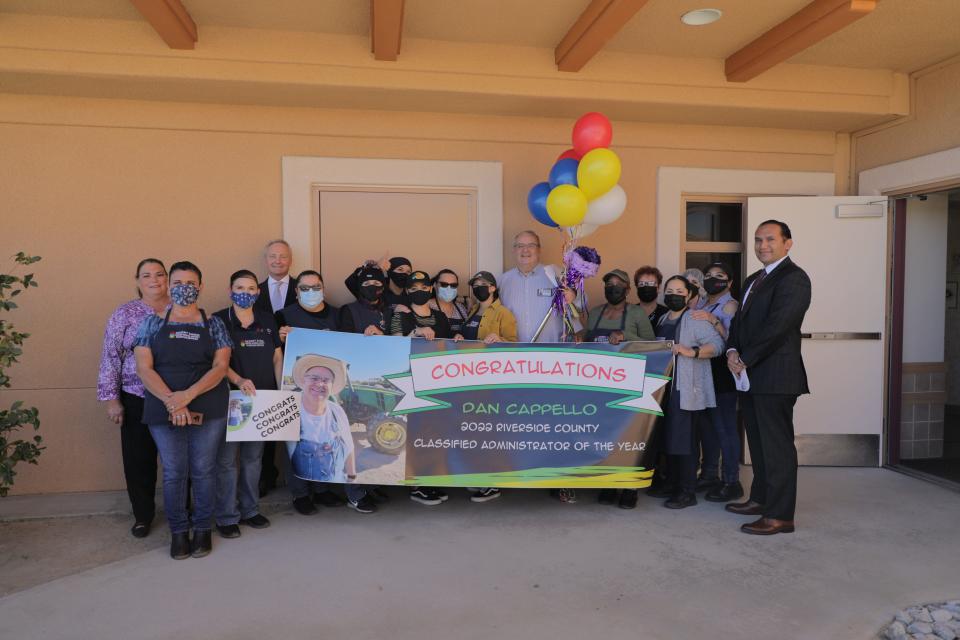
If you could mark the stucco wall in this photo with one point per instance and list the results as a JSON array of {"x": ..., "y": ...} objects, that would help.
[{"x": 94, "y": 185}]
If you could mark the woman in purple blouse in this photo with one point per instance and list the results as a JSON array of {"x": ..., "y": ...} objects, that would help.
[{"x": 122, "y": 391}]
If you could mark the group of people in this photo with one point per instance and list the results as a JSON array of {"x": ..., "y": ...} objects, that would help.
[{"x": 167, "y": 367}]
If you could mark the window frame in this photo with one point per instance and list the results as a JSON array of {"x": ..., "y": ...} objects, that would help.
[{"x": 692, "y": 246}]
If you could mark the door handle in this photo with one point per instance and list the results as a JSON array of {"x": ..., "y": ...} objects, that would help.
[{"x": 841, "y": 335}]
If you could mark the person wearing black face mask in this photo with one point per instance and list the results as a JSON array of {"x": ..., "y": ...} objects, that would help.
[
  {"x": 648, "y": 280},
  {"x": 616, "y": 321},
  {"x": 690, "y": 390},
  {"x": 489, "y": 320},
  {"x": 421, "y": 322},
  {"x": 720, "y": 437},
  {"x": 396, "y": 271},
  {"x": 367, "y": 315}
]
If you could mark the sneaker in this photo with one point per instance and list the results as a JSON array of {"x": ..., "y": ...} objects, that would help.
[
  {"x": 228, "y": 531},
  {"x": 180, "y": 546},
  {"x": 425, "y": 496},
  {"x": 304, "y": 506},
  {"x": 725, "y": 493},
  {"x": 607, "y": 496},
  {"x": 202, "y": 543},
  {"x": 440, "y": 493},
  {"x": 328, "y": 499},
  {"x": 363, "y": 505},
  {"x": 140, "y": 529},
  {"x": 257, "y": 521},
  {"x": 485, "y": 495},
  {"x": 628, "y": 499},
  {"x": 682, "y": 500},
  {"x": 567, "y": 495}
]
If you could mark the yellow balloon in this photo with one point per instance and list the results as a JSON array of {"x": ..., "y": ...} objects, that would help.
[
  {"x": 566, "y": 205},
  {"x": 598, "y": 172}
]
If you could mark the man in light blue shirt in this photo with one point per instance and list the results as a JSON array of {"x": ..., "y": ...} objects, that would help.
[{"x": 527, "y": 290}]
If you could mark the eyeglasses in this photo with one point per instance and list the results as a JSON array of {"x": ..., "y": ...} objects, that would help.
[
  {"x": 529, "y": 245},
  {"x": 646, "y": 284},
  {"x": 448, "y": 285},
  {"x": 316, "y": 379},
  {"x": 305, "y": 288}
]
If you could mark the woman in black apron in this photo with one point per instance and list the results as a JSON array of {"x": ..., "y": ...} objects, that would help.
[
  {"x": 182, "y": 359},
  {"x": 255, "y": 364},
  {"x": 445, "y": 286}
]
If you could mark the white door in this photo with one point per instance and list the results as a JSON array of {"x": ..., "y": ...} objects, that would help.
[{"x": 843, "y": 249}]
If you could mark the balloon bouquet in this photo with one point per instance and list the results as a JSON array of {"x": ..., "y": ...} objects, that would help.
[{"x": 581, "y": 195}]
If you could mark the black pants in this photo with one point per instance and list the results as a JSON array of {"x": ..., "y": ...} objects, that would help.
[
  {"x": 139, "y": 458},
  {"x": 768, "y": 419},
  {"x": 268, "y": 467}
]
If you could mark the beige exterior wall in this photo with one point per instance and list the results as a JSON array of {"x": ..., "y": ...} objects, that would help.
[
  {"x": 94, "y": 185},
  {"x": 934, "y": 123}
]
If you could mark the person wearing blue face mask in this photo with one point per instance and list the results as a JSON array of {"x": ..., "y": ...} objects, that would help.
[
  {"x": 256, "y": 363},
  {"x": 182, "y": 357},
  {"x": 445, "y": 286}
]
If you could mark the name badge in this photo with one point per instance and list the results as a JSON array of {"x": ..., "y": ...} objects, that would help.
[
  {"x": 184, "y": 335},
  {"x": 545, "y": 293}
]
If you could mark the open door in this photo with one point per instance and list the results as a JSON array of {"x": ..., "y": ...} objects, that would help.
[{"x": 841, "y": 242}]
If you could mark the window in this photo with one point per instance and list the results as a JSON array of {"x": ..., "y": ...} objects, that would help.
[{"x": 712, "y": 231}]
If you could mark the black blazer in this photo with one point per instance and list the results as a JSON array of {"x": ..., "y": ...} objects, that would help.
[
  {"x": 766, "y": 330},
  {"x": 263, "y": 300}
]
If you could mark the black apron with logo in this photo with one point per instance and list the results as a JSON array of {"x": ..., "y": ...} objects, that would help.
[
  {"x": 603, "y": 335},
  {"x": 253, "y": 348},
  {"x": 182, "y": 354},
  {"x": 471, "y": 327}
]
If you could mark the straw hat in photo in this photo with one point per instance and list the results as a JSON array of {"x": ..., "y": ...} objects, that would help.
[{"x": 311, "y": 360}]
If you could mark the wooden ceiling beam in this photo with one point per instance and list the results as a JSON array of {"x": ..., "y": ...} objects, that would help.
[
  {"x": 598, "y": 23},
  {"x": 171, "y": 21},
  {"x": 386, "y": 27},
  {"x": 803, "y": 29}
]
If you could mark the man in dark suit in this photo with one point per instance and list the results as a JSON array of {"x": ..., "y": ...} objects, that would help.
[
  {"x": 765, "y": 342},
  {"x": 276, "y": 292}
]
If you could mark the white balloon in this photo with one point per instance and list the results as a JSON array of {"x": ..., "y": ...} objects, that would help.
[
  {"x": 607, "y": 208},
  {"x": 585, "y": 229}
]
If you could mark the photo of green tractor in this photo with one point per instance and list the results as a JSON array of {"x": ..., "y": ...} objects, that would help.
[{"x": 368, "y": 404}]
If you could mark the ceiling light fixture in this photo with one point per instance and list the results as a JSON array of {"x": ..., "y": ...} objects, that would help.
[{"x": 701, "y": 17}]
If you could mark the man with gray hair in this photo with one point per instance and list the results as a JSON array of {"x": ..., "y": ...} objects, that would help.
[
  {"x": 527, "y": 290},
  {"x": 276, "y": 292}
]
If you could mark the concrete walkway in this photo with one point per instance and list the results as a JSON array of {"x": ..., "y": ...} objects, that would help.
[{"x": 869, "y": 542}]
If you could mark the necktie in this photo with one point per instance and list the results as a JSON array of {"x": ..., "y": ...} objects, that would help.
[
  {"x": 754, "y": 286},
  {"x": 276, "y": 300}
]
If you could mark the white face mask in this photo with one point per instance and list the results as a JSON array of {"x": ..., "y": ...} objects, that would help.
[
  {"x": 311, "y": 298},
  {"x": 447, "y": 294}
]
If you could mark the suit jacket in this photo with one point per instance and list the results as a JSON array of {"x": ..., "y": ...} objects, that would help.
[
  {"x": 766, "y": 330},
  {"x": 263, "y": 300}
]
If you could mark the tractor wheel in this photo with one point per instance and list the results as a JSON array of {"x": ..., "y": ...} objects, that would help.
[{"x": 387, "y": 434}]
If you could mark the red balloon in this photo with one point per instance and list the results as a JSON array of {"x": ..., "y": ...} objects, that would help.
[
  {"x": 569, "y": 153},
  {"x": 592, "y": 131}
]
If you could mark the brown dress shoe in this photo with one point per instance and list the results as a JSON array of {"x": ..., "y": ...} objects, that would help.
[
  {"x": 748, "y": 508},
  {"x": 768, "y": 527}
]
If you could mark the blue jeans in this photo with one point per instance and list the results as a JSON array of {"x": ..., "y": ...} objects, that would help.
[
  {"x": 238, "y": 479},
  {"x": 189, "y": 452},
  {"x": 724, "y": 419},
  {"x": 708, "y": 449}
]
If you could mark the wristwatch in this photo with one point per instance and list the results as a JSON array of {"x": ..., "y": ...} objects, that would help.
[{"x": 696, "y": 352}]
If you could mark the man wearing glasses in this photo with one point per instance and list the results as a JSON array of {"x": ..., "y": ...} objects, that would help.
[{"x": 527, "y": 290}]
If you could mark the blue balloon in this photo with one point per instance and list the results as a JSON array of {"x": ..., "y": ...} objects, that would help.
[
  {"x": 537, "y": 203},
  {"x": 564, "y": 172}
]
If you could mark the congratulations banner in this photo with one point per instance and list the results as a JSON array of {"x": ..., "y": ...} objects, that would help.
[{"x": 389, "y": 410}]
